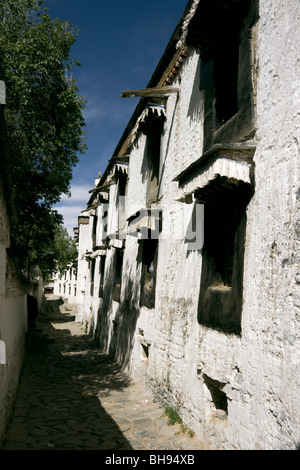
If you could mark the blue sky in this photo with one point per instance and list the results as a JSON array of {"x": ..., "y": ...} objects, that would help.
[{"x": 119, "y": 45}]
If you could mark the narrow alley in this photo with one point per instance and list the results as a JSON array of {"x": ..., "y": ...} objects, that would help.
[{"x": 73, "y": 397}]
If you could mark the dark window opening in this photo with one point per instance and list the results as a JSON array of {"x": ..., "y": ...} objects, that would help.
[
  {"x": 95, "y": 221},
  {"x": 222, "y": 33},
  {"x": 151, "y": 163},
  {"x": 118, "y": 274},
  {"x": 122, "y": 203},
  {"x": 122, "y": 185},
  {"x": 226, "y": 60},
  {"x": 220, "y": 300},
  {"x": 92, "y": 274},
  {"x": 101, "y": 272},
  {"x": 148, "y": 277},
  {"x": 104, "y": 224}
]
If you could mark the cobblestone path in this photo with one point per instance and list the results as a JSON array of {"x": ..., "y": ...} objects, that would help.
[{"x": 74, "y": 397}]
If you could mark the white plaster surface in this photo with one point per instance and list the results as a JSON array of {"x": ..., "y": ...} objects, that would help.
[{"x": 259, "y": 369}]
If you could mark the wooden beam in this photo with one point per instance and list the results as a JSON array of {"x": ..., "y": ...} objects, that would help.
[{"x": 157, "y": 91}]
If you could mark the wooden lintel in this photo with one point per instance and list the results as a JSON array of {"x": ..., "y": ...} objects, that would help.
[{"x": 156, "y": 91}]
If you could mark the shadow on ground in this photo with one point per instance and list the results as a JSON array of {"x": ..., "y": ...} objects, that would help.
[{"x": 59, "y": 400}]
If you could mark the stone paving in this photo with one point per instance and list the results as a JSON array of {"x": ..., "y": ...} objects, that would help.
[{"x": 72, "y": 396}]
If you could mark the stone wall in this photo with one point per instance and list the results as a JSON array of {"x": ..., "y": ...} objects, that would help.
[
  {"x": 217, "y": 338},
  {"x": 13, "y": 319}
]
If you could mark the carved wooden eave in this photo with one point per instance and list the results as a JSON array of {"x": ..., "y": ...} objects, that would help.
[
  {"x": 117, "y": 242},
  {"x": 174, "y": 66},
  {"x": 144, "y": 219},
  {"x": 230, "y": 162},
  {"x": 149, "y": 112},
  {"x": 158, "y": 93},
  {"x": 115, "y": 169},
  {"x": 99, "y": 252}
]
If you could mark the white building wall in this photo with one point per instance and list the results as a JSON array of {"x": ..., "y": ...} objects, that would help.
[
  {"x": 65, "y": 285},
  {"x": 83, "y": 247},
  {"x": 171, "y": 329},
  {"x": 112, "y": 218},
  {"x": 257, "y": 370},
  {"x": 136, "y": 195},
  {"x": 13, "y": 322},
  {"x": 270, "y": 344}
]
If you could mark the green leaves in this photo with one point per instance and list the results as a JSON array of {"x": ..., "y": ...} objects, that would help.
[
  {"x": 65, "y": 248},
  {"x": 44, "y": 109}
]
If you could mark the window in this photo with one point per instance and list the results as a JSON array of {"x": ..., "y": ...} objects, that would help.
[
  {"x": 225, "y": 63},
  {"x": 151, "y": 161},
  {"x": 101, "y": 272},
  {"x": 222, "y": 33},
  {"x": 94, "y": 234},
  {"x": 104, "y": 221},
  {"x": 92, "y": 276},
  {"x": 149, "y": 249},
  {"x": 220, "y": 300},
  {"x": 122, "y": 203},
  {"x": 118, "y": 273}
]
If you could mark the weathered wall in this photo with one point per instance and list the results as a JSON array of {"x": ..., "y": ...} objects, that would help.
[
  {"x": 270, "y": 343},
  {"x": 13, "y": 321},
  {"x": 65, "y": 285},
  {"x": 238, "y": 390},
  {"x": 257, "y": 370},
  {"x": 84, "y": 245}
]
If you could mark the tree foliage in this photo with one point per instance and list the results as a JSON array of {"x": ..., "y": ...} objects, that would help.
[
  {"x": 65, "y": 250},
  {"x": 43, "y": 118}
]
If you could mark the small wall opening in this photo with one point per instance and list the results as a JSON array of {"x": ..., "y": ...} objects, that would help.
[
  {"x": 151, "y": 160},
  {"x": 101, "y": 273},
  {"x": 92, "y": 274},
  {"x": 119, "y": 255},
  {"x": 148, "y": 278},
  {"x": 122, "y": 203},
  {"x": 218, "y": 397},
  {"x": 145, "y": 351},
  {"x": 94, "y": 233}
]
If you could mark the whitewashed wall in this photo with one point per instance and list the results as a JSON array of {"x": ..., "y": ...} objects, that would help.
[
  {"x": 258, "y": 369},
  {"x": 83, "y": 246},
  {"x": 13, "y": 322}
]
